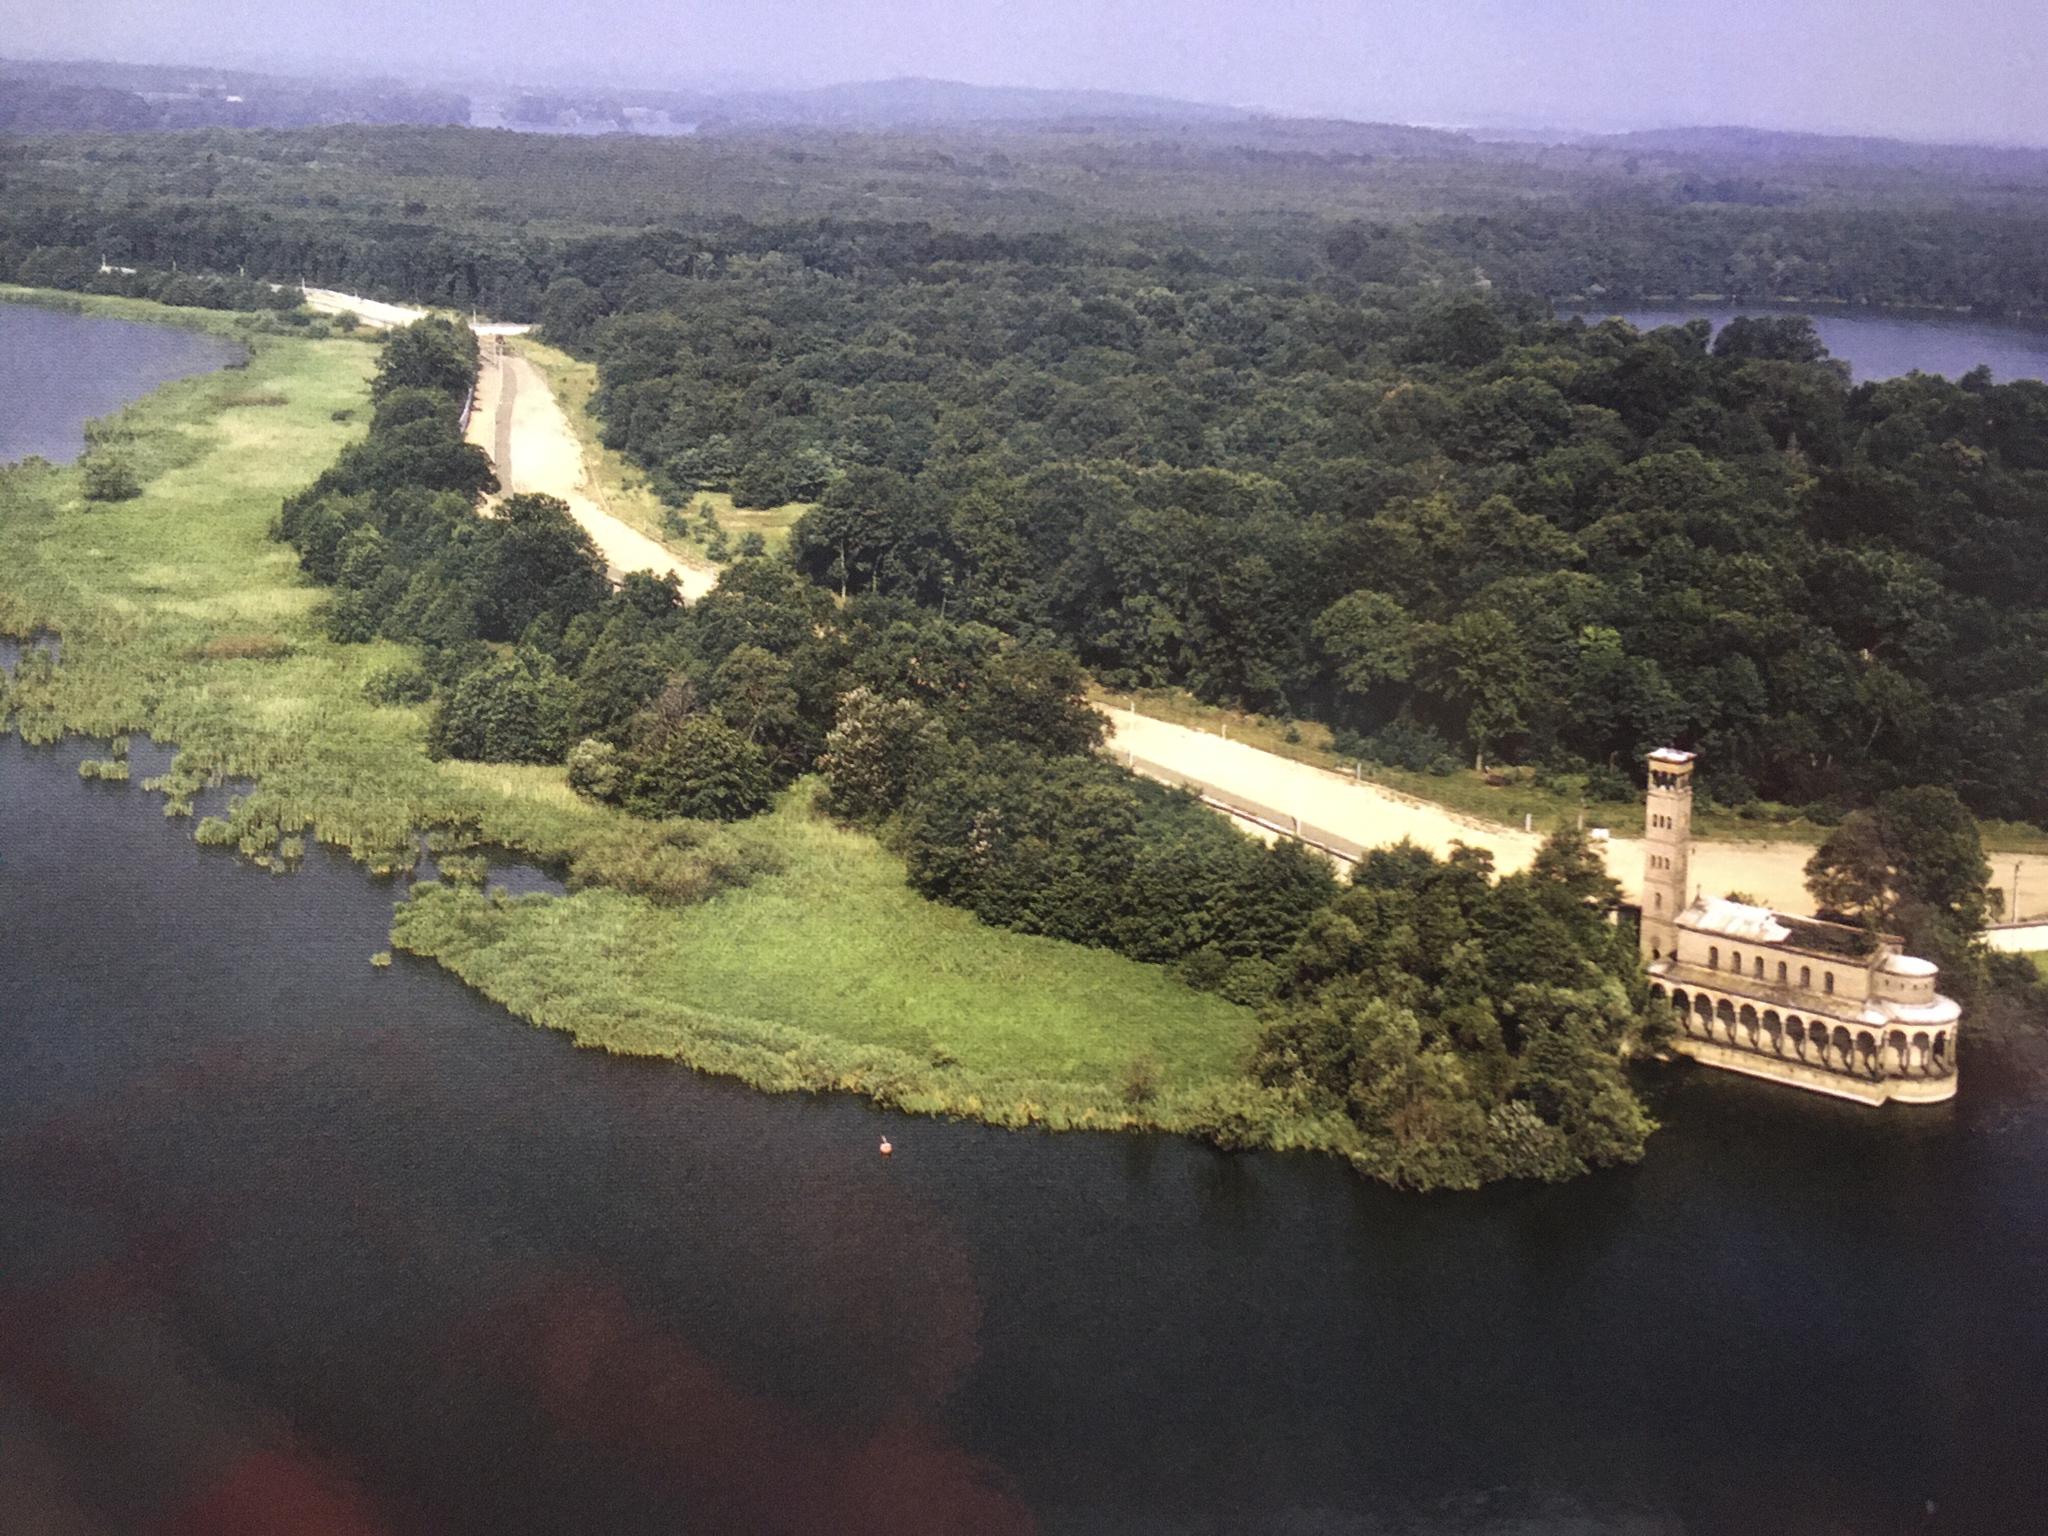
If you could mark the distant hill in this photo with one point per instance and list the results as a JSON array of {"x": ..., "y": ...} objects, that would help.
[
  {"x": 910, "y": 102},
  {"x": 69, "y": 97},
  {"x": 1764, "y": 146}
]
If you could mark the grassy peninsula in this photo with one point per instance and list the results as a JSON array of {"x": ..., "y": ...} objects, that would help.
[{"x": 812, "y": 967}]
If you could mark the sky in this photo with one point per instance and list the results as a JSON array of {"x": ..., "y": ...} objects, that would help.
[{"x": 1950, "y": 70}]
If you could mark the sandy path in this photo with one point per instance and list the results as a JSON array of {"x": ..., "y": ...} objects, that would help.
[
  {"x": 1367, "y": 814},
  {"x": 381, "y": 316},
  {"x": 518, "y": 421}
]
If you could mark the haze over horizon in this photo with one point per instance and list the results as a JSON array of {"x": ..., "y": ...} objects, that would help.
[{"x": 1946, "y": 70}]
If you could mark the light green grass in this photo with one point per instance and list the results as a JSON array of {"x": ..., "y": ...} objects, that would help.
[
  {"x": 826, "y": 971},
  {"x": 772, "y": 523},
  {"x": 832, "y": 973}
]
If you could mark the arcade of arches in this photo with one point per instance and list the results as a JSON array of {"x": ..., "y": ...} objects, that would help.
[{"x": 1868, "y": 1053}]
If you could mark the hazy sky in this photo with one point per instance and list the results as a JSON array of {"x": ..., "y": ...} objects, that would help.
[{"x": 1934, "y": 69}]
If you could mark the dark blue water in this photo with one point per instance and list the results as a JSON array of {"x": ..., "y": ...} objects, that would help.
[
  {"x": 289, "y": 1243},
  {"x": 58, "y": 371},
  {"x": 1877, "y": 345}
]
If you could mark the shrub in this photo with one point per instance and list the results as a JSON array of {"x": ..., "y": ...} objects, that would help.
[
  {"x": 698, "y": 767},
  {"x": 406, "y": 683},
  {"x": 1404, "y": 744},
  {"x": 513, "y": 709},
  {"x": 1605, "y": 782},
  {"x": 109, "y": 476},
  {"x": 595, "y": 769},
  {"x": 1140, "y": 1082},
  {"x": 249, "y": 646}
]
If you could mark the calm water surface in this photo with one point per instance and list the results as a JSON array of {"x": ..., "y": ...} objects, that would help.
[
  {"x": 59, "y": 371},
  {"x": 1877, "y": 345},
  {"x": 289, "y": 1243}
]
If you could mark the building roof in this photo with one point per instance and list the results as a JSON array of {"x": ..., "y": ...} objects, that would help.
[
  {"x": 1735, "y": 920},
  {"x": 1672, "y": 755},
  {"x": 1761, "y": 925}
]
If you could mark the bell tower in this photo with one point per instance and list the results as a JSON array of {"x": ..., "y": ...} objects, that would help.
[{"x": 1667, "y": 840}]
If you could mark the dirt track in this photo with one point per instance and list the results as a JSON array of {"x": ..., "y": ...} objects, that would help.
[
  {"x": 1773, "y": 873},
  {"x": 518, "y": 421}
]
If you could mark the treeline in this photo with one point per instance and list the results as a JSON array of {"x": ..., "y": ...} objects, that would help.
[{"x": 446, "y": 215}]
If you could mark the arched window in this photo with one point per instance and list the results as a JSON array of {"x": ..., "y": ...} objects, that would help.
[
  {"x": 1735, "y": 961},
  {"x": 1781, "y": 973},
  {"x": 1660, "y": 900},
  {"x": 1827, "y": 981},
  {"x": 1806, "y": 977},
  {"x": 1714, "y": 957},
  {"x": 1759, "y": 967}
]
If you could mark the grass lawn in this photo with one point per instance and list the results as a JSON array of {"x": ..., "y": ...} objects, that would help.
[{"x": 182, "y": 618}]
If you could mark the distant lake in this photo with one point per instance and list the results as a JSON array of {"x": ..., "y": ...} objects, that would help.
[
  {"x": 58, "y": 371},
  {"x": 1876, "y": 344}
]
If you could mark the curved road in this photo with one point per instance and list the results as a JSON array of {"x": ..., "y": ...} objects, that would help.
[
  {"x": 534, "y": 448},
  {"x": 516, "y": 419}
]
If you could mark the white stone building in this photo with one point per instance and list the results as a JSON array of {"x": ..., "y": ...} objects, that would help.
[{"x": 1814, "y": 1004}]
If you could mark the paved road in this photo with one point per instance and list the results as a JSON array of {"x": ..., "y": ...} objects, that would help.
[
  {"x": 517, "y": 420},
  {"x": 379, "y": 315},
  {"x": 1369, "y": 816}
]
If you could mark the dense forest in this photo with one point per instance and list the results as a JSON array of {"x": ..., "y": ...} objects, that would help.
[{"x": 1448, "y": 525}]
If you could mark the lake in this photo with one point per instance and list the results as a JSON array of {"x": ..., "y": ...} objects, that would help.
[
  {"x": 1877, "y": 344},
  {"x": 292, "y": 1243},
  {"x": 58, "y": 371}
]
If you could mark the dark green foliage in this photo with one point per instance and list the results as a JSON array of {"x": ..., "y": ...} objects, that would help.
[
  {"x": 1912, "y": 864},
  {"x": 436, "y": 355},
  {"x": 107, "y": 474},
  {"x": 1470, "y": 1028},
  {"x": 513, "y": 709},
  {"x": 1075, "y": 848},
  {"x": 402, "y": 684},
  {"x": 534, "y": 560},
  {"x": 698, "y": 767}
]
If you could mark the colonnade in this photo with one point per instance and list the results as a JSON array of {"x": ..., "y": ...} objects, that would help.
[{"x": 1863, "y": 1051}]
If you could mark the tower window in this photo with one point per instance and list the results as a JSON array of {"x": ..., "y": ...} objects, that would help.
[
  {"x": 1828, "y": 982},
  {"x": 1781, "y": 973},
  {"x": 1806, "y": 977},
  {"x": 1713, "y": 957}
]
